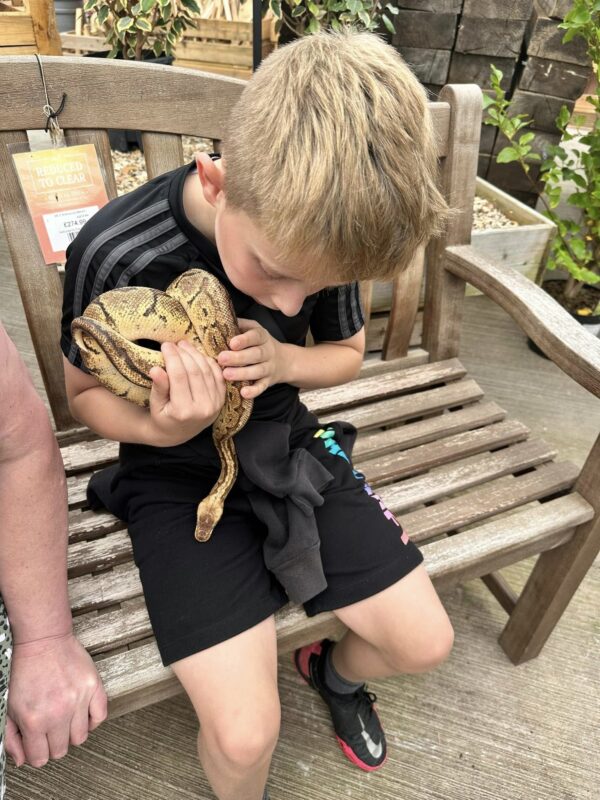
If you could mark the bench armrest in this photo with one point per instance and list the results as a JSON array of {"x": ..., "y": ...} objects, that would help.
[{"x": 551, "y": 327}]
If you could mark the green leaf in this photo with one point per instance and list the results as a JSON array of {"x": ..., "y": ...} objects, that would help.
[
  {"x": 275, "y": 7},
  {"x": 192, "y": 5},
  {"x": 143, "y": 24},
  {"x": 313, "y": 26},
  {"x": 563, "y": 117},
  {"x": 102, "y": 14},
  {"x": 506, "y": 155},
  {"x": 364, "y": 18},
  {"x": 157, "y": 47},
  {"x": 526, "y": 138},
  {"x": 487, "y": 100},
  {"x": 89, "y": 5},
  {"x": 147, "y": 5},
  {"x": 299, "y": 10},
  {"x": 388, "y": 24},
  {"x": 314, "y": 10},
  {"x": 124, "y": 24},
  {"x": 336, "y": 25}
]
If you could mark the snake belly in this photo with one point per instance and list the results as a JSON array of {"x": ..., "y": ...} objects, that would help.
[{"x": 196, "y": 307}]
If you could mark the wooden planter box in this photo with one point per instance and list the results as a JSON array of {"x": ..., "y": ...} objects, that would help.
[
  {"x": 522, "y": 247},
  {"x": 28, "y": 27},
  {"x": 213, "y": 45}
]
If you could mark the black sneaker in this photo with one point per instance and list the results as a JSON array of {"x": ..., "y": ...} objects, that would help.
[{"x": 355, "y": 721}]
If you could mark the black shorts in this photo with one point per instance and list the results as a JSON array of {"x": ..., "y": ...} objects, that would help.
[{"x": 201, "y": 593}]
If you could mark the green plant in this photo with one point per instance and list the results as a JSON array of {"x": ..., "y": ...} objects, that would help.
[
  {"x": 309, "y": 16},
  {"x": 132, "y": 26},
  {"x": 576, "y": 246}
]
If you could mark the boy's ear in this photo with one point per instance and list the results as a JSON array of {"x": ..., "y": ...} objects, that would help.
[{"x": 211, "y": 177}]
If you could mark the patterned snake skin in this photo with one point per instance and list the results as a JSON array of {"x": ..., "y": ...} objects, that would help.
[
  {"x": 196, "y": 307},
  {"x": 5, "y": 660}
]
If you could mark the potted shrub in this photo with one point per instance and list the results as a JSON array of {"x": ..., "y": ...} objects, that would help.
[
  {"x": 576, "y": 246},
  {"x": 295, "y": 18},
  {"x": 140, "y": 30}
]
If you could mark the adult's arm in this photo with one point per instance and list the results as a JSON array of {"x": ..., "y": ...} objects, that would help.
[{"x": 55, "y": 693}]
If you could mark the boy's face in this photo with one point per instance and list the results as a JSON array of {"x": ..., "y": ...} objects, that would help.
[
  {"x": 250, "y": 265},
  {"x": 247, "y": 257}
]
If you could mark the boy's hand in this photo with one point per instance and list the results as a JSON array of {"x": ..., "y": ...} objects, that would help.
[
  {"x": 254, "y": 356},
  {"x": 186, "y": 397}
]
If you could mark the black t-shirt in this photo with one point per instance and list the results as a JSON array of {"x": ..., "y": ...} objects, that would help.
[{"x": 144, "y": 238}]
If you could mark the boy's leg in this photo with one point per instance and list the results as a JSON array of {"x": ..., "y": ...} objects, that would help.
[
  {"x": 404, "y": 628},
  {"x": 233, "y": 688}
]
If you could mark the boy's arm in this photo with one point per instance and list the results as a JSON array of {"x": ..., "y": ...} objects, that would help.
[
  {"x": 325, "y": 364},
  {"x": 186, "y": 397},
  {"x": 258, "y": 357}
]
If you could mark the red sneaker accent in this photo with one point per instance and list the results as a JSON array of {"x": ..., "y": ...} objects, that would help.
[
  {"x": 355, "y": 759},
  {"x": 301, "y": 657}
]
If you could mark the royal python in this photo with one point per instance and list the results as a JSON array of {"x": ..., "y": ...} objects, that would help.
[{"x": 196, "y": 307}]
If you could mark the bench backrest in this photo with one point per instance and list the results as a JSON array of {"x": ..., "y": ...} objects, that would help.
[{"x": 166, "y": 103}]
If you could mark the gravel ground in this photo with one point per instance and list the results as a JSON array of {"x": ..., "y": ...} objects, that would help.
[{"x": 130, "y": 172}]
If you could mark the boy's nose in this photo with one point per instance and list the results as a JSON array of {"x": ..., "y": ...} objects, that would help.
[{"x": 291, "y": 302}]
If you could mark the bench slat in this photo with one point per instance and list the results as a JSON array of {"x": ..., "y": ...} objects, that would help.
[
  {"x": 103, "y": 632},
  {"x": 399, "y": 497},
  {"x": 96, "y": 591},
  {"x": 489, "y": 500},
  {"x": 412, "y": 434},
  {"x": 136, "y": 677}
]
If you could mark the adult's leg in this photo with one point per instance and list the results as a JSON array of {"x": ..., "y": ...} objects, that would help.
[{"x": 233, "y": 688}]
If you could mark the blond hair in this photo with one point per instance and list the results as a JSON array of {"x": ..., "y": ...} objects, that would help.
[{"x": 330, "y": 151}]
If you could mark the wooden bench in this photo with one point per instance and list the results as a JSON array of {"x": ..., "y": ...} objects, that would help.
[{"x": 429, "y": 440}]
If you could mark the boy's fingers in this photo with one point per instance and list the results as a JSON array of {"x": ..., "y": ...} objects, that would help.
[
  {"x": 241, "y": 358},
  {"x": 258, "y": 387},
  {"x": 178, "y": 376}
]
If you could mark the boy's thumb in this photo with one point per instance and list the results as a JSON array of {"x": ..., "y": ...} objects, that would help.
[{"x": 160, "y": 381}]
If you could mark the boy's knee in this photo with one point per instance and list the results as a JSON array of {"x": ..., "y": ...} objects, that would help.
[
  {"x": 428, "y": 653},
  {"x": 245, "y": 741}
]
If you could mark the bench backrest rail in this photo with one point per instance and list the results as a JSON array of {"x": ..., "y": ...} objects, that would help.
[{"x": 165, "y": 103}]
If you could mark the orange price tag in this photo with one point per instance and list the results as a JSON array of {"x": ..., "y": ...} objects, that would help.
[{"x": 63, "y": 188}]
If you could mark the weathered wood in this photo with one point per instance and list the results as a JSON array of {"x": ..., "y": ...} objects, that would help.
[
  {"x": 550, "y": 326},
  {"x": 557, "y": 78},
  {"x": 405, "y": 305},
  {"x": 444, "y": 294},
  {"x": 439, "y": 6},
  {"x": 489, "y": 499},
  {"x": 469, "y": 68},
  {"x": 554, "y": 8},
  {"x": 99, "y": 139},
  {"x": 162, "y": 152},
  {"x": 492, "y": 37},
  {"x": 499, "y": 10},
  {"x": 545, "y": 39},
  {"x": 500, "y": 542},
  {"x": 424, "y": 29},
  {"x": 542, "y": 108},
  {"x": 39, "y": 284},
  {"x": 45, "y": 32},
  {"x": 430, "y": 66},
  {"x": 214, "y": 94},
  {"x": 556, "y": 575},
  {"x": 403, "y": 496}
]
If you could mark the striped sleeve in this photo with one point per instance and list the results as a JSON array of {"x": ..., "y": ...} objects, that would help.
[{"x": 337, "y": 314}]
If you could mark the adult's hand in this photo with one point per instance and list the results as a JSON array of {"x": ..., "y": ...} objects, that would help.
[{"x": 55, "y": 698}]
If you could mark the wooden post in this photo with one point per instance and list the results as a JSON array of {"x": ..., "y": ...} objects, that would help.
[
  {"x": 444, "y": 292},
  {"x": 44, "y": 27},
  {"x": 556, "y": 576}
]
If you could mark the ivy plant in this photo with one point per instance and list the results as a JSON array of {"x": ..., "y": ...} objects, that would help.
[
  {"x": 132, "y": 26},
  {"x": 576, "y": 246},
  {"x": 310, "y": 16}
]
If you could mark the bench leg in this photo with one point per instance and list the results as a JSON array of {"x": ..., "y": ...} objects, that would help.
[{"x": 556, "y": 576}]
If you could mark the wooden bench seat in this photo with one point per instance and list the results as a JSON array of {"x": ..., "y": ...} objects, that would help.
[
  {"x": 448, "y": 460},
  {"x": 469, "y": 485}
]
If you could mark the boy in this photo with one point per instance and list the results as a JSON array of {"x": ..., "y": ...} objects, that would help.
[{"x": 327, "y": 177}]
